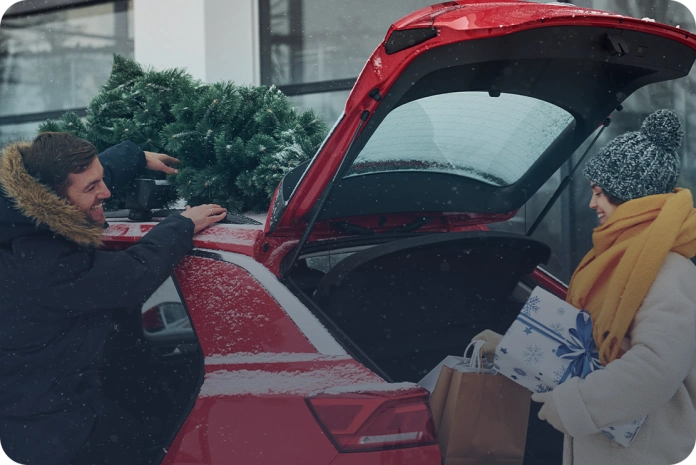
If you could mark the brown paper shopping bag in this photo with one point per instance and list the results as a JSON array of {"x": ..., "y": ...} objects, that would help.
[{"x": 481, "y": 419}]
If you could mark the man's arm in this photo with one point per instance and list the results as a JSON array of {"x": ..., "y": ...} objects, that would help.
[
  {"x": 78, "y": 280},
  {"x": 122, "y": 163}
]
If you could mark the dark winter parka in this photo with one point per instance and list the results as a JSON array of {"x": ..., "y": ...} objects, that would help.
[{"x": 57, "y": 295}]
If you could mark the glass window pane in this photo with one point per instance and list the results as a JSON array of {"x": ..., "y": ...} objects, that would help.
[
  {"x": 493, "y": 140},
  {"x": 16, "y": 132},
  {"x": 328, "y": 105},
  {"x": 164, "y": 310},
  {"x": 320, "y": 40},
  {"x": 59, "y": 60}
]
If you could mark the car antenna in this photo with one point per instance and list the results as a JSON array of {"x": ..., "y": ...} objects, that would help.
[
  {"x": 324, "y": 197},
  {"x": 566, "y": 180}
]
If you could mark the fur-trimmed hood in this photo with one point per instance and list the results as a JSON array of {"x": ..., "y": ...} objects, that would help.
[{"x": 28, "y": 206}]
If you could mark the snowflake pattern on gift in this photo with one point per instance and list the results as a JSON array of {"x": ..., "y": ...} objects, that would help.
[
  {"x": 629, "y": 435},
  {"x": 561, "y": 311},
  {"x": 558, "y": 328},
  {"x": 532, "y": 355},
  {"x": 532, "y": 306},
  {"x": 520, "y": 372},
  {"x": 608, "y": 434},
  {"x": 558, "y": 374},
  {"x": 541, "y": 388}
]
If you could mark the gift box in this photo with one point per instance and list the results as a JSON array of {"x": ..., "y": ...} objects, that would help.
[{"x": 549, "y": 342}]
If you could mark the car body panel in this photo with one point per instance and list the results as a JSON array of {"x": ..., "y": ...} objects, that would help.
[{"x": 233, "y": 313}]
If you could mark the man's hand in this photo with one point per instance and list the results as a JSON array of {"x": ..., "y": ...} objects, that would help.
[
  {"x": 161, "y": 162},
  {"x": 204, "y": 215}
]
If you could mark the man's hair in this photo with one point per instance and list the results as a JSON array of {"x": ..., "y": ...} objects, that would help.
[{"x": 53, "y": 156}]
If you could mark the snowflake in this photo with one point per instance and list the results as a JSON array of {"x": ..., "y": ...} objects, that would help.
[
  {"x": 558, "y": 374},
  {"x": 533, "y": 354},
  {"x": 558, "y": 328},
  {"x": 520, "y": 372},
  {"x": 532, "y": 306},
  {"x": 541, "y": 388},
  {"x": 629, "y": 435},
  {"x": 608, "y": 434},
  {"x": 561, "y": 311}
]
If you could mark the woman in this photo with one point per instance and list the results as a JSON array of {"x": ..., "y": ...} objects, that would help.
[{"x": 640, "y": 288}]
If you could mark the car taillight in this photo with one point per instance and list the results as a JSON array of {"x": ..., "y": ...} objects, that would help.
[{"x": 368, "y": 421}]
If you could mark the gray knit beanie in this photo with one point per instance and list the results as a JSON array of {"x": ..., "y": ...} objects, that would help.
[{"x": 640, "y": 163}]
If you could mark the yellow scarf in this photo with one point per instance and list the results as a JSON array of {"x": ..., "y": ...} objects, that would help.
[{"x": 629, "y": 249}]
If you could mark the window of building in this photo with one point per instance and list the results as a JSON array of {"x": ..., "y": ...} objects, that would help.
[
  {"x": 56, "y": 60},
  {"x": 314, "y": 50}
]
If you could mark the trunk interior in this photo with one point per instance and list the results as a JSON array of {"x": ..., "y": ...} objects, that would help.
[{"x": 402, "y": 306}]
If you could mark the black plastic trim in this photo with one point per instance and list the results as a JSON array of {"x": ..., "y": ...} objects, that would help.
[
  {"x": 199, "y": 382},
  {"x": 39, "y": 117},
  {"x": 401, "y": 40},
  {"x": 335, "y": 85}
]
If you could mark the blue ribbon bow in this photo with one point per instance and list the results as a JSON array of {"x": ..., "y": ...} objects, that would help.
[{"x": 580, "y": 349}]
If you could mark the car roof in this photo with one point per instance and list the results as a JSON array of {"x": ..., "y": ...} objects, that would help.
[{"x": 237, "y": 238}]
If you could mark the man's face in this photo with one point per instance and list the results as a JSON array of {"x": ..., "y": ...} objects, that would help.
[{"x": 87, "y": 191}]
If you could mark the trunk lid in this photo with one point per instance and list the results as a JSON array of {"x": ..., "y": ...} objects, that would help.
[{"x": 467, "y": 108}]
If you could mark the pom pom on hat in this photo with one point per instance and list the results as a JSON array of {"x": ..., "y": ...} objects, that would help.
[
  {"x": 640, "y": 163},
  {"x": 663, "y": 129}
]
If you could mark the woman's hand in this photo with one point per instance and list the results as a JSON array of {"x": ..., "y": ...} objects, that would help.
[
  {"x": 492, "y": 340},
  {"x": 204, "y": 215},
  {"x": 161, "y": 162},
  {"x": 548, "y": 411}
]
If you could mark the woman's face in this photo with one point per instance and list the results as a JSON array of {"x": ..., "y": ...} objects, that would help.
[{"x": 601, "y": 204}]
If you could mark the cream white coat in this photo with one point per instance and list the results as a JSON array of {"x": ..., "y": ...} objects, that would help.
[{"x": 655, "y": 377}]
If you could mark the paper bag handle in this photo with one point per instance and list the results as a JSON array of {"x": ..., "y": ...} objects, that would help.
[{"x": 476, "y": 359}]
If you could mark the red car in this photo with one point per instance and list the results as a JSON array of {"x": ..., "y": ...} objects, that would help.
[{"x": 299, "y": 340}]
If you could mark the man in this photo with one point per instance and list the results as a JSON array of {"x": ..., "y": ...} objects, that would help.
[{"x": 58, "y": 292}]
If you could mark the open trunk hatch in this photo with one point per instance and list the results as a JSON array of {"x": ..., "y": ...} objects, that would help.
[{"x": 476, "y": 123}]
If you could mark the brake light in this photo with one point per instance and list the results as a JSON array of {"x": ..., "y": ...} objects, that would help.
[{"x": 371, "y": 421}]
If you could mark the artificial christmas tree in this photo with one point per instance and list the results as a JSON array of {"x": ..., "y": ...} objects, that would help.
[{"x": 235, "y": 143}]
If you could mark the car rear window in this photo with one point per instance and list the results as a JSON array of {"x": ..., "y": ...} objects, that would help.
[{"x": 494, "y": 140}]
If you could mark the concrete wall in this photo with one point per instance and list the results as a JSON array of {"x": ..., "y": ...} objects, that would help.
[{"x": 214, "y": 40}]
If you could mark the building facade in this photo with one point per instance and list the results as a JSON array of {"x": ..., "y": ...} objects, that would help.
[{"x": 55, "y": 54}]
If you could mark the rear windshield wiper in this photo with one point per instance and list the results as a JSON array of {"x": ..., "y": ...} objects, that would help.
[
  {"x": 350, "y": 228},
  {"x": 412, "y": 226}
]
